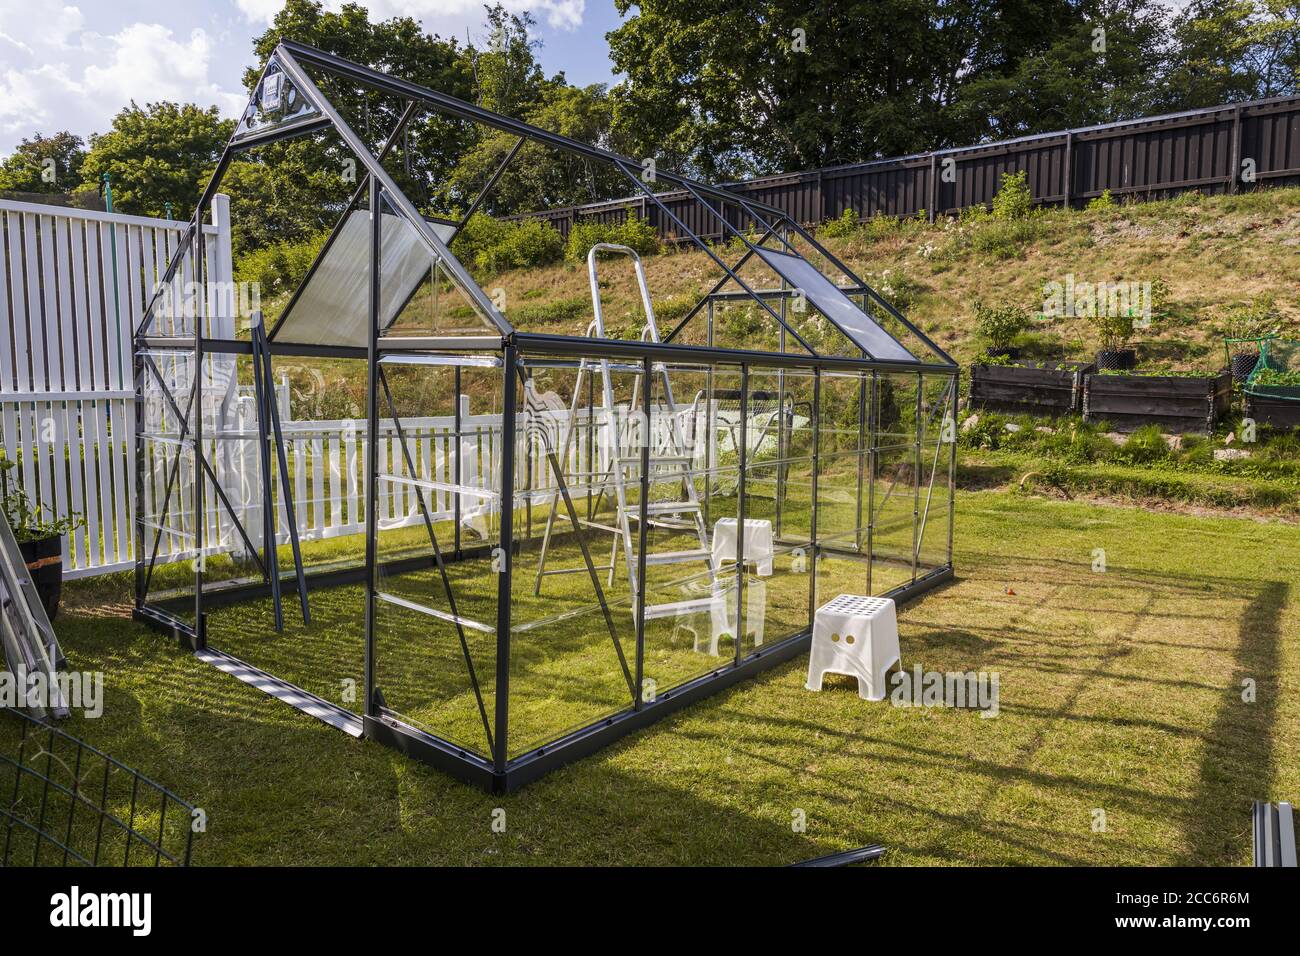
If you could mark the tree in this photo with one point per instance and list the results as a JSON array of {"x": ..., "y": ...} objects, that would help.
[
  {"x": 44, "y": 164},
  {"x": 1232, "y": 50},
  {"x": 542, "y": 176},
  {"x": 729, "y": 87},
  {"x": 507, "y": 77},
  {"x": 1106, "y": 67},
  {"x": 163, "y": 152}
]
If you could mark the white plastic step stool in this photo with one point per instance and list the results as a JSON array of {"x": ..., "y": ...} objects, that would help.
[
  {"x": 856, "y": 636},
  {"x": 758, "y": 543}
]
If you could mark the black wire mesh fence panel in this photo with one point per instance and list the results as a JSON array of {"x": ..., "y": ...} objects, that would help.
[{"x": 64, "y": 803}]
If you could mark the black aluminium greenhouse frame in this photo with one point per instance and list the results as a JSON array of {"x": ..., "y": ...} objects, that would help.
[{"x": 498, "y": 771}]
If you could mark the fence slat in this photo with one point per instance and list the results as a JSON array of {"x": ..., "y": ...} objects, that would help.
[{"x": 66, "y": 366}]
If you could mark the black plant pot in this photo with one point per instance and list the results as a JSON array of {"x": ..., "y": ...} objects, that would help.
[
  {"x": 44, "y": 558},
  {"x": 1117, "y": 360},
  {"x": 1242, "y": 364},
  {"x": 1010, "y": 353}
]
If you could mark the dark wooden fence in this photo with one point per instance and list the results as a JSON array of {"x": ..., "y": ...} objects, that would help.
[{"x": 1220, "y": 149}]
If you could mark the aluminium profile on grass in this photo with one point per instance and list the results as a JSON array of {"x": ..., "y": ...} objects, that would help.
[{"x": 347, "y": 306}]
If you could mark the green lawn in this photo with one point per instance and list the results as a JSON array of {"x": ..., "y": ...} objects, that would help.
[{"x": 1120, "y": 691}]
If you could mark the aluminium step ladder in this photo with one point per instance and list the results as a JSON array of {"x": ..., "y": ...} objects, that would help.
[
  {"x": 27, "y": 640},
  {"x": 683, "y": 515}
]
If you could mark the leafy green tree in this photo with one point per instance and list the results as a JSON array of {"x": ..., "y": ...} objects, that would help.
[
  {"x": 507, "y": 77},
  {"x": 1105, "y": 67},
  {"x": 1231, "y": 50},
  {"x": 159, "y": 153},
  {"x": 541, "y": 176},
  {"x": 729, "y": 87},
  {"x": 44, "y": 164}
]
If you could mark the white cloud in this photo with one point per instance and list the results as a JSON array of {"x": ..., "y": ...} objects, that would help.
[
  {"x": 259, "y": 11},
  {"x": 147, "y": 63},
  {"x": 558, "y": 14},
  {"x": 56, "y": 75}
]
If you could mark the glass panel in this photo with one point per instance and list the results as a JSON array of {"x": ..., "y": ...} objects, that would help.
[
  {"x": 324, "y": 481},
  {"x": 233, "y": 503},
  {"x": 939, "y": 430},
  {"x": 693, "y": 485},
  {"x": 824, "y": 296},
  {"x": 893, "y": 526},
  {"x": 841, "y": 571},
  {"x": 573, "y": 634},
  {"x": 175, "y": 309},
  {"x": 438, "y": 492},
  {"x": 935, "y": 514},
  {"x": 167, "y": 544},
  {"x": 333, "y": 307},
  {"x": 428, "y": 677},
  {"x": 896, "y": 408}
]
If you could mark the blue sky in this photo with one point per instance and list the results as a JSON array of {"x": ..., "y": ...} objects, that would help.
[{"x": 72, "y": 64}]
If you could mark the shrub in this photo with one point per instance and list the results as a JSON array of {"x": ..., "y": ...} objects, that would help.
[
  {"x": 1256, "y": 320},
  {"x": 634, "y": 231},
  {"x": 1104, "y": 201},
  {"x": 843, "y": 227},
  {"x": 1160, "y": 299},
  {"x": 1113, "y": 330},
  {"x": 1144, "y": 446},
  {"x": 278, "y": 267},
  {"x": 554, "y": 312},
  {"x": 671, "y": 310},
  {"x": 488, "y": 245},
  {"x": 1013, "y": 200},
  {"x": 1003, "y": 238},
  {"x": 900, "y": 289},
  {"x": 998, "y": 326}
]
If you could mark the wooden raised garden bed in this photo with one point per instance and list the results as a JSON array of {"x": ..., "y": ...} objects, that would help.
[
  {"x": 1271, "y": 410},
  {"x": 1176, "y": 403},
  {"x": 1033, "y": 388}
]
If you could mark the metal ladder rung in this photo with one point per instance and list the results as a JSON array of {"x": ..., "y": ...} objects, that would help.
[
  {"x": 656, "y": 460},
  {"x": 582, "y": 570},
  {"x": 671, "y": 507},
  {"x": 677, "y": 557}
]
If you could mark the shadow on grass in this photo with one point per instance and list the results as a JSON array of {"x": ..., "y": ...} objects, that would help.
[{"x": 1237, "y": 764}]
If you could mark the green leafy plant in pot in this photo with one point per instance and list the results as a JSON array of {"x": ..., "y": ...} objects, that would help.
[
  {"x": 1244, "y": 328},
  {"x": 998, "y": 327},
  {"x": 1115, "y": 331},
  {"x": 39, "y": 540}
]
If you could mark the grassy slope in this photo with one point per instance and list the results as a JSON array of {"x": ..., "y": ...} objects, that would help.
[
  {"x": 1120, "y": 691},
  {"x": 1213, "y": 252}
]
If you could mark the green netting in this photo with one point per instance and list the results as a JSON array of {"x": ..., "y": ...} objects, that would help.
[{"x": 1277, "y": 374}]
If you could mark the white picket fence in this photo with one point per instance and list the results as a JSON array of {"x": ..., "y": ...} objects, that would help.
[
  {"x": 74, "y": 284},
  {"x": 327, "y": 462}
]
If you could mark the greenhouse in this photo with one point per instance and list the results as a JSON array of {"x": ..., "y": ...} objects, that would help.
[{"x": 408, "y": 506}]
